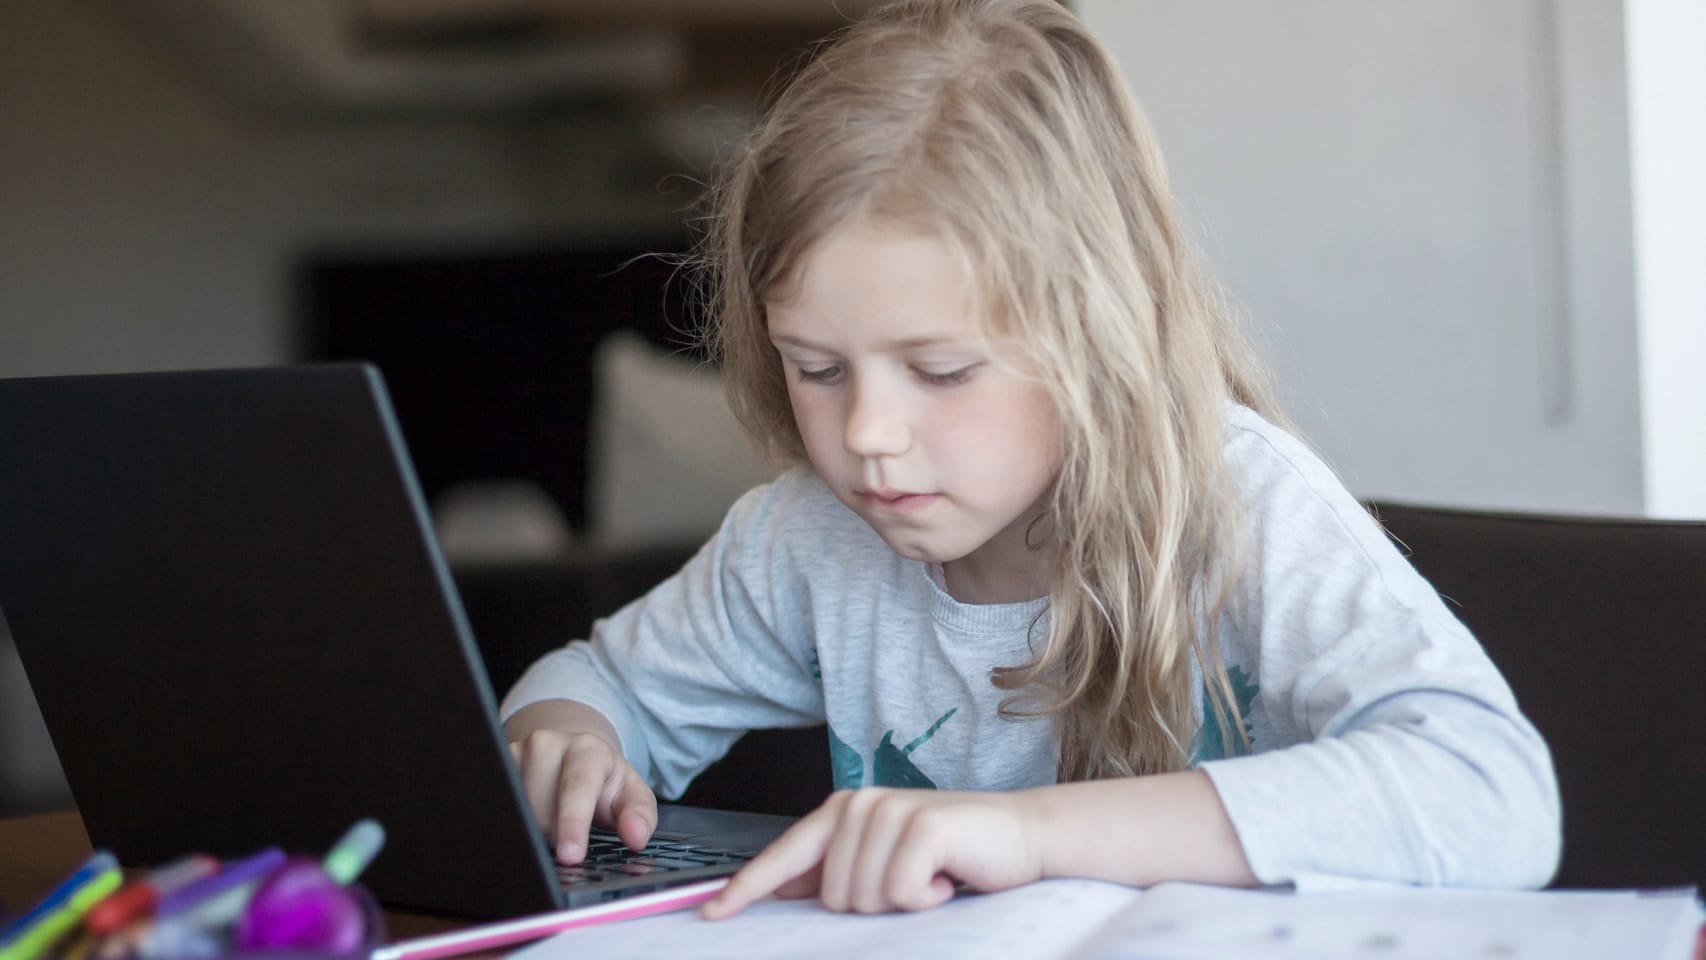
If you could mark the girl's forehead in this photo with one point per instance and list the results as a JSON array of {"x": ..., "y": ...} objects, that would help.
[
  {"x": 883, "y": 292},
  {"x": 877, "y": 267},
  {"x": 881, "y": 252}
]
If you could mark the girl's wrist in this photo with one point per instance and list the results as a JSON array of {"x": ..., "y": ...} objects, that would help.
[
  {"x": 1133, "y": 830},
  {"x": 1047, "y": 823}
]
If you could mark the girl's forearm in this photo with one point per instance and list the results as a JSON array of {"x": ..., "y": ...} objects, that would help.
[
  {"x": 567, "y": 716},
  {"x": 1137, "y": 830}
]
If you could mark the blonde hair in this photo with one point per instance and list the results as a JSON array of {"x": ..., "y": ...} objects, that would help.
[{"x": 1004, "y": 128}]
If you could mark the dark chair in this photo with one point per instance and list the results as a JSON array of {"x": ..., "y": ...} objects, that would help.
[{"x": 1600, "y": 627}]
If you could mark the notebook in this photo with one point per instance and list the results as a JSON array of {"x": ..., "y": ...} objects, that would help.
[
  {"x": 1069, "y": 919},
  {"x": 227, "y": 597}
]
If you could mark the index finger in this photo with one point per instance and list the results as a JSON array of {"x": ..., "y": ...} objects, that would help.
[
  {"x": 634, "y": 812},
  {"x": 795, "y": 852},
  {"x": 579, "y": 782}
]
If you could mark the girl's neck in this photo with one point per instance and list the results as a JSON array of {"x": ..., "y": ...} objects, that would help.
[
  {"x": 970, "y": 581},
  {"x": 1010, "y": 567}
]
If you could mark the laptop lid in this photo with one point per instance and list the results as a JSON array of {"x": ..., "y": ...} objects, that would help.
[{"x": 227, "y": 597}]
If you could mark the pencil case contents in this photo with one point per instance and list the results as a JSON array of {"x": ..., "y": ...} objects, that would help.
[{"x": 199, "y": 907}]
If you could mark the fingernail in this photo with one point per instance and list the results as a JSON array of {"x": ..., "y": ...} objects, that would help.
[{"x": 568, "y": 851}]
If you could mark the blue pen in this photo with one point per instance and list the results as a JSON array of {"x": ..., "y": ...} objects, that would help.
[
  {"x": 101, "y": 862},
  {"x": 39, "y": 937}
]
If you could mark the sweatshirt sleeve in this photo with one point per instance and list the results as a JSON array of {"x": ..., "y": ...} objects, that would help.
[
  {"x": 1388, "y": 746},
  {"x": 714, "y": 651}
]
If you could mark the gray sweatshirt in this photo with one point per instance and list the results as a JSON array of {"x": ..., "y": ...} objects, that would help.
[{"x": 1384, "y": 744}]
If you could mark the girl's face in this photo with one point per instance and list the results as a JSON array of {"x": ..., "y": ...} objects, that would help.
[{"x": 937, "y": 439}]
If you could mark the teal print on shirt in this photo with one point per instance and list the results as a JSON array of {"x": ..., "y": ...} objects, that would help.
[
  {"x": 891, "y": 766},
  {"x": 1210, "y": 744},
  {"x": 845, "y": 763}
]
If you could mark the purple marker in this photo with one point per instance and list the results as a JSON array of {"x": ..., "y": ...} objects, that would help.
[
  {"x": 193, "y": 921},
  {"x": 209, "y": 901}
]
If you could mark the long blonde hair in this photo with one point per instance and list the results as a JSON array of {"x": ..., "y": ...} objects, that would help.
[{"x": 1005, "y": 128}]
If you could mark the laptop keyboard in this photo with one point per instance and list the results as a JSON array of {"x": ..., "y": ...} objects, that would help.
[{"x": 608, "y": 858}]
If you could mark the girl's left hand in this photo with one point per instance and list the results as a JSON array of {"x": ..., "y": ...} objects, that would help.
[{"x": 879, "y": 849}]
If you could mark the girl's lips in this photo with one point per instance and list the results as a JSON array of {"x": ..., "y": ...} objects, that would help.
[{"x": 898, "y": 500}]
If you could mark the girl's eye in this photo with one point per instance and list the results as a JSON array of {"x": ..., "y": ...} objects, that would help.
[
  {"x": 820, "y": 375},
  {"x": 949, "y": 379}
]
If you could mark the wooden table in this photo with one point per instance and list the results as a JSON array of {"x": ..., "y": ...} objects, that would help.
[{"x": 37, "y": 852}]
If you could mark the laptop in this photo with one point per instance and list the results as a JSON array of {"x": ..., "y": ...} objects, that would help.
[{"x": 228, "y": 599}]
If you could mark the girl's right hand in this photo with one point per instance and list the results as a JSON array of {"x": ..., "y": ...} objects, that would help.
[{"x": 574, "y": 778}]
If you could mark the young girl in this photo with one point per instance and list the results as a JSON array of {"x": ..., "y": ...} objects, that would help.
[{"x": 1069, "y": 597}]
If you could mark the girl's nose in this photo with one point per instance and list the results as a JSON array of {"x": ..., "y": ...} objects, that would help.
[{"x": 877, "y": 424}]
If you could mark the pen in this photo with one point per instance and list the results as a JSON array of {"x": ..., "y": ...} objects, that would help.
[
  {"x": 138, "y": 897},
  {"x": 32, "y": 941},
  {"x": 353, "y": 851},
  {"x": 179, "y": 940},
  {"x": 101, "y": 861},
  {"x": 190, "y": 921},
  {"x": 209, "y": 899},
  {"x": 124, "y": 944},
  {"x": 492, "y": 936}
]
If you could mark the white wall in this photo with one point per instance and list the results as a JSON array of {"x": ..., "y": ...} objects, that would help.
[
  {"x": 1425, "y": 209},
  {"x": 1667, "y": 106}
]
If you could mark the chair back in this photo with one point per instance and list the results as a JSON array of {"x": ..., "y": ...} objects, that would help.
[{"x": 1600, "y": 627}]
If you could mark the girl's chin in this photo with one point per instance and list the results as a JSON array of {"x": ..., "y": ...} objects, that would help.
[{"x": 922, "y": 552}]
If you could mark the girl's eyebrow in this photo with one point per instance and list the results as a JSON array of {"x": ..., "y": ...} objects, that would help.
[{"x": 903, "y": 343}]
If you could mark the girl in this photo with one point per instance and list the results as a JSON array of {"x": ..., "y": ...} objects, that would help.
[{"x": 1070, "y": 598}]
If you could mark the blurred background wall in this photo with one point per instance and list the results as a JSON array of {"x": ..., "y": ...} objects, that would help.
[
  {"x": 1467, "y": 233},
  {"x": 1428, "y": 210}
]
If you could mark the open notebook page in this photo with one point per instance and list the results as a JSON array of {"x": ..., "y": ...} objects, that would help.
[
  {"x": 1043, "y": 920},
  {"x": 1179, "y": 921},
  {"x": 1091, "y": 920}
]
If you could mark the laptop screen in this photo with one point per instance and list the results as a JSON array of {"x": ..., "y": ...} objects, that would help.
[{"x": 227, "y": 598}]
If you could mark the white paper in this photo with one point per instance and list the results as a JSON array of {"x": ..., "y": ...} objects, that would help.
[
  {"x": 1091, "y": 920},
  {"x": 1191, "y": 922},
  {"x": 1040, "y": 920}
]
